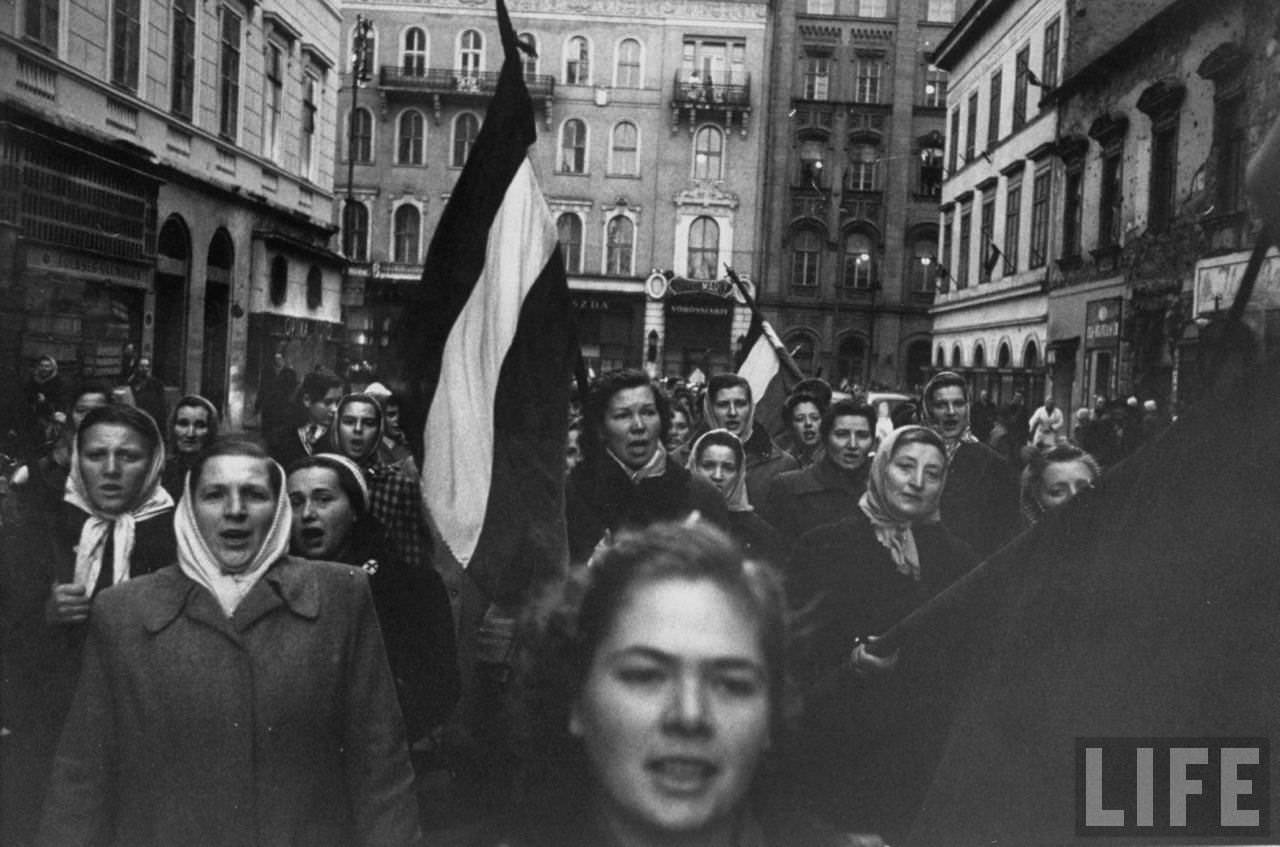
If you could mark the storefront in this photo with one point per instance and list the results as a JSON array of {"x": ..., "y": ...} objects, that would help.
[
  {"x": 610, "y": 329},
  {"x": 700, "y": 321}
]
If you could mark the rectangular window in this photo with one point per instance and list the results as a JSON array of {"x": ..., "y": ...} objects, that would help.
[
  {"x": 40, "y": 23},
  {"x": 953, "y": 143},
  {"x": 820, "y": 7},
  {"x": 940, "y": 10},
  {"x": 1229, "y": 129},
  {"x": 1040, "y": 219},
  {"x": 873, "y": 8},
  {"x": 1021, "y": 65},
  {"x": 987, "y": 237},
  {"x": 1164, "y": 168},
  {"x": 229, "y": 75},
  {"x": 964, "y": 259},
  {"x": 971, "y": 129},
  {"x": 273, "y": 95},
  {"x": 868, "y": 79},
  {"x": 1111, "y": 198},
  {"x": 182, "y": 59},
  {"x": 1072, "y": 205},
  {"x": 1049, "y": 68},
  {"x": 993, "y": 109},
  {"x": 1012, "y": 224},
  {"x": 307, "y": 147},
  {"x": 126, "y": 33},
  {"x": 944, "y": 247},
  {"x": 817, "y": 77},
  {"x": 935, "y": 86}
]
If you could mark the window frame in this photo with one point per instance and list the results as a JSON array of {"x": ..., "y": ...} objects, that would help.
[
  {"x": 275, "y": 66},
  {"x": 702, "y": 251},
  {"x": 807, "y": 273},
  {"x": 633, "y": 151},
  {"x": 126, "y": 65},
  {"x": 994, "y": 96},
  {"x": 965, "y": 243},
  {"x": 864, "y": 273},
  {"x": 414, "y": 61},
  {"x": 455, "y": 139},
  {"x": 182, "y": 57},
  {"x": 816, "y": 76},
  {"x": 355, "y": 252},
  {"x": 986, "y": 236},
  {"x": 709, "y": 130},
  {"x": 868, "y": 78},
  {"x": 1041, "y": 191},
  {"x": 230, "y": 59},
  {"x": 577, "y": 69},
  {"x": 629, "y": 74},
  {"x": 572, "y": 258},
  {"x": 1049, "y": 58},
  {"x": 467, "y": 55},
  {"x": 355, "y": 138},
  {"x": 1021, "y": 64},
  {"x": 612, "y": 267},
  {"x": 397, "y": 235},
  {"x": 1012, "y": 222},
  {"x": 414, "y": 159},
  {"x": 580, "y": 148}
]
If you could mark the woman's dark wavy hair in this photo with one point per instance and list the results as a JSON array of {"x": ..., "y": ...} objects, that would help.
[
  {"x": 601, "y": 392},
  {"x": 562, "y": 632}
]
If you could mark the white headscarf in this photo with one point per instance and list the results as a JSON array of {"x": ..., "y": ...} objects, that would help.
[
  {"x": 152, "y": 500},
  {"x": 893, "y": 529},
  {"x": 198, "y": 562},
  {"x": 736, "y": 497}
]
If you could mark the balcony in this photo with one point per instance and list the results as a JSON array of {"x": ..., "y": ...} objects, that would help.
[
  {"x": 723, "y": 95},
  {"x": 456, "y": 86}
]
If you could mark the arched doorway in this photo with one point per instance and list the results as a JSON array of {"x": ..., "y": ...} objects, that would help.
[
  {"x": 217, "y": 304},
  {"x": 173, "y": 267},
  {"x": 851, "y": 361},
  {"x": 918, "y": 363}
]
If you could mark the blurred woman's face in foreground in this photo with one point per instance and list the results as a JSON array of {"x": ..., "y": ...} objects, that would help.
[{"x": 675, "y": 710}]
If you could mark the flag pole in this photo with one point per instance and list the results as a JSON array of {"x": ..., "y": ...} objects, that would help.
[{"x": 793, "y": 370}]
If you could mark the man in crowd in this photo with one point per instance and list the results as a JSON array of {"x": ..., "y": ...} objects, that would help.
[
  {"x": 980, "y": 497},
  {"x": 1045, "y": 426},
  {"x": 319, "y": 396},
  {"x": 983, "y": 417},
  {"x": 729, "y": 405},
  {"x": 275, "y": 395},
  {"x": 148, "y": 392},
  {"x": 828, "y": 490}
]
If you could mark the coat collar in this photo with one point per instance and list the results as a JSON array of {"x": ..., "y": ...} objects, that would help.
[{"x": 290, "y": 582}]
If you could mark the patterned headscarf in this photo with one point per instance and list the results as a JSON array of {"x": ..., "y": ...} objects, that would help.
[
  {"x": 152, "y": 500},
  {"x": 893, "y": 529}
]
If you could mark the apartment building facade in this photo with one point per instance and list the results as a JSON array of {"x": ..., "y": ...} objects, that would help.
[
  {"x": 854, "y": 181},
  {"x": 167, "y": 183},
  {"x": 990, "y": 317},
  {"x": 650, "y": 145}
]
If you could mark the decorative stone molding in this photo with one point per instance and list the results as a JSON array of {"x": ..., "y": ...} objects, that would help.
[{"x": 706, "y": 196}]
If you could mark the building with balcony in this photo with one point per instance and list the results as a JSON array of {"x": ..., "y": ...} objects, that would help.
[
  {"x": 649, "y": 152},
  {"x": 1160, "y": 107},
  {"x": 990, "y": 317},
  {"x": 854, "y": 181},
  {"x": 166, "y": 181}
]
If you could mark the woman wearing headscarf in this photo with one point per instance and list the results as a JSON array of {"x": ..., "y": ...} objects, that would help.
[
  {"x": 1054, "y": 477},
  {"x": 718, "y": 457},
  {"x": 238, "y": 696},
  {"x": 869, "y": 748},
  {"x": 331, "y": 522},
  {"x": 192, "y": 427},
  {"x": 114, "y": 525}
]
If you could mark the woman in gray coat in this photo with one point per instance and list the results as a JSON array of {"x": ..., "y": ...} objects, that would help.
[{"x": 240, "y": 697}]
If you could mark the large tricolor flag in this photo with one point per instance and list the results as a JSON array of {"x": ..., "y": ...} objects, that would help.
[
  {"x": 494, "y": 342},
  {"x": 766, "y": 364}
]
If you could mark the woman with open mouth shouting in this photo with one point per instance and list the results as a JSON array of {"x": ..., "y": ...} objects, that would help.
[
  {"x": 651, "y": 694},
  {"x": 239, "y": 696}
]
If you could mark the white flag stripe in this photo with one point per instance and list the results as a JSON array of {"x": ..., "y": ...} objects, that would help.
[
  {"x": 458, "y": 462},
  {"x": 761, "y": 365}
]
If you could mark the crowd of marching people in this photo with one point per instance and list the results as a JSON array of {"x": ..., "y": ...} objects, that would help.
[{"x": 293, "y": 663}]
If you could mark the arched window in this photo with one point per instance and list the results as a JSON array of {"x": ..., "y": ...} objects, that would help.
[
  {"x": 530, "y": 59},
  {"x": 858, "y": 268},
  {"x": 470, "y": 54},
  {"x": 361, "y": 136},
  {"x": 315, "y": 288},
  {"x": 861, "y": 175},
  {"x": 355, "y": 231},
  {"x": 979, "y": 356},
  {"x": 806, "y": 257},
  {"x": 922, "y": 261},
  {"x": 812, "y": 163},
  {"x": 708, "y": 153},
  {"x": 624, "y": 150},
  {"x": 1031, "y": 356},
  {"x": 413, "y": 130},
  {"x": 408, "y": 229},
  {"x": 569, "y": 231},
  {"x": 629, "y": 69},
  {"x": 278, "y": 289},
  {"x": 1004, "y": 357},
  {"x": 465, "y": 128},
  {"x": 577, "y": 62},
  {"x": 414, "y": 57},
  {"x": 619, "y": 243},
  {"x": 573, "y": 147},
  {"x": 941, "y": 360},
  {"x": 704, "y": 248},
  {"x": 955, "y": 356}
]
